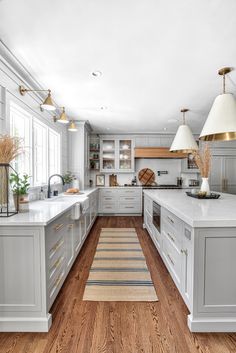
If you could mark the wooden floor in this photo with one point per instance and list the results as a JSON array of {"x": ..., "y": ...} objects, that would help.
[{"x": 113, "y": 327}]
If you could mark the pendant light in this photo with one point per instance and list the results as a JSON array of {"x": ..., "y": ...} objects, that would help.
[
  {"x": 47, "y": 104},
  {"x": 184, "y": 141},
  {"x": 221, "y": 121},
  {"x": 72, "y": 127},
  {"x": 63, "y": 118}
]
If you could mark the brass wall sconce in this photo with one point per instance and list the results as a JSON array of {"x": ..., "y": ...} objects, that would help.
[{"x": 47, "y": 104}]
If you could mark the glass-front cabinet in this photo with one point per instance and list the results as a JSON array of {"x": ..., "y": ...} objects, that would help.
[{"x": 117, "y": 155}]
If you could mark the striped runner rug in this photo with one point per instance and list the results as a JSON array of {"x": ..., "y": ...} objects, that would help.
[{"x": 119, "y": 271}]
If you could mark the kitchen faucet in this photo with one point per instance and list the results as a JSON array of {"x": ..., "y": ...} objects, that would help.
[{"x": 49, "y": 179}]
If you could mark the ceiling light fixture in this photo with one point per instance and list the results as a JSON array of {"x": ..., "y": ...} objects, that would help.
[
  {"x": 63, "y": 118},
  {"x": 72, "y": 127},
  {"x": 97, "y": 73},
  {"x": 221, "y": 121},
  {"x": 47, "y": 104},
  {"x": 184, "y": 141}
]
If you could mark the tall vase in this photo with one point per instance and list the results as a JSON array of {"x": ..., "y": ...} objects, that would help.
[{"x": 205, "y": 186}]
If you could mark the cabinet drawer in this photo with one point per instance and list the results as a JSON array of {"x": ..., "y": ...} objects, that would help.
[
  {"x": 129, "y": 198},
  {"x": 108, "y": 192},
  {"x": 55, "y": 230},
  {"x": 172, "y": 233},
  {"x": 173, "y": 259},
  {"x": 130, "y": 192},
  {"x": 105, "y": 198},
  {"x": 56, "y": 285},
  {"x": 172, "y": 220},
  {"x": 108, "y": 207},
  {"x": 125, "y": 207}
]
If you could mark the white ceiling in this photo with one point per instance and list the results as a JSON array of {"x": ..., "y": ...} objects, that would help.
[{"x": 156, "y": 57}]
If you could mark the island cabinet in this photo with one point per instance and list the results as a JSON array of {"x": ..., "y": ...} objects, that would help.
[
  {"x": 174, "y": 244},
  {"x": 35, "y": 261},
  {"x": 198, "y": 247}
]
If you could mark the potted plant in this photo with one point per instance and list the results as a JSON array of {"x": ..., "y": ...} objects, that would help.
[
  {"x": 20, "y": 187},
  {"x": 68, "y": 178}
]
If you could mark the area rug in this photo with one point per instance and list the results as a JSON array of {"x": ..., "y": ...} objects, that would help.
[{"x": 119, "y": 271}]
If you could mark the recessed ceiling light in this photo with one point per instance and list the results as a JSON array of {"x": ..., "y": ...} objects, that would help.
[
  {"x": 164, "y": 128},
  {"x": 103, "y": 107},
  {"x": 97, "y": 73}
]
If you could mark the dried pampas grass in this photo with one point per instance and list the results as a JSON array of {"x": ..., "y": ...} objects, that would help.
[
  {"x": 10, "y": 148},
  {"x": 203, "y": 161}
]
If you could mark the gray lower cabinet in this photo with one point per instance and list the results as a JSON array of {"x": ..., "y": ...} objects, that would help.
[
  {"x": 34, "y": 262},
  {"x": 201, "y": 262},
  {"x": 115, "y": 200}
]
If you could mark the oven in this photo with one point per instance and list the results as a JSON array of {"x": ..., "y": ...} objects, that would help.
[{"x": 156, "y": 216}]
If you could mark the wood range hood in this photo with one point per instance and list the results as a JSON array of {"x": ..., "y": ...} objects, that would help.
[{"x": 157, "y": 152}]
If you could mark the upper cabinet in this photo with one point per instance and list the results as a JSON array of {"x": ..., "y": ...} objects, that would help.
[{"x": 117, "y": 154}]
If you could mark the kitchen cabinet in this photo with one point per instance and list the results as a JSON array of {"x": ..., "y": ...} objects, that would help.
[
  {"x": 223, "y": 174},
  {"x": 116, "y": 154},
  {"x": 120, "y": 200},
  {"x": 43, "y": 254},
  {"x": 78, "y": 153}
]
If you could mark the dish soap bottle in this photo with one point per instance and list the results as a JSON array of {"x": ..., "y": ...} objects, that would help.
[{"x": 41, "y": 194}]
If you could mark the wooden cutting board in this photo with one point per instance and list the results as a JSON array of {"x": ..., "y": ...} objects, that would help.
[{"x": 146, "y": 176}]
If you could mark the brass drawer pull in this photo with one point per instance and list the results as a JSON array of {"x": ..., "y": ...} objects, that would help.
[
  {"x": 58, "y": 227},
  {"x": 70, "y": 226},
  {"x": 170, "y": 219},
  {"x": 184, "y": 251},
  {"x": 171, "y": 237},
  {"x": 171, "y": 259},
  {"x": 56, "y": 265},
  {"x": 56, "y": 247}
]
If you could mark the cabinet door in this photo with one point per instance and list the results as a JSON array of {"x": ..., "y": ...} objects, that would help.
[
  {"x": 108, "y": 155},
  {"x": 125, "y": 155},
  {"x": 77, "y": 236},
  {"x": 230, "y": 174},
  {"x": 187, "y": 275},
  {"x": 217, "y": 173},
  {"x": 69, "y": 245},
  {"x": 82, "y": 227}
]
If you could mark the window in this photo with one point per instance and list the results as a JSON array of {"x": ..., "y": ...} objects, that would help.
[
  {"x": 41, "y": 144},
  {"x": 40, "y": 153},
  {"x": 54, "y": 152},
  {"x": 20, "y": 122}
]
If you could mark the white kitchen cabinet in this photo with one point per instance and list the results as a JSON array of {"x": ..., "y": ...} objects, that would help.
[
  {"x": 223, "y": 174},
  {"x": 116, "y": 154},
  {"x": 43, "y": 256},
  {"x": 120, "y": 200},
  {"x": 78, "y": 152}
]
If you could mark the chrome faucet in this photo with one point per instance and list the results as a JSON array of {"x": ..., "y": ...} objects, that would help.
[{"x": 49, "y": 179}]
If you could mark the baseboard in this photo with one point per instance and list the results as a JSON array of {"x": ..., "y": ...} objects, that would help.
[
  {"x": 20, "y": 324},
  {"x": 216, "y": 324}
]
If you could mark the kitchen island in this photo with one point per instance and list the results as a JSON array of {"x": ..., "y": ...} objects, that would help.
[
  {"x": 197, "y": 242},
  {"x": 37, "y": 251}
]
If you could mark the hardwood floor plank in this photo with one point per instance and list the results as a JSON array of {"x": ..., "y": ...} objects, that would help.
[{"x": 118, "y": 327}]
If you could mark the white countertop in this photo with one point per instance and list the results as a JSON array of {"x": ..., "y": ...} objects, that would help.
[
  {"x": 197, "y": 212},
  {"x": 43, "y": 212}
]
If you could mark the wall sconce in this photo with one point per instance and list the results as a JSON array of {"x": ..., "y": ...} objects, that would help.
[
  {"x": 47, "y": 104},
  {"x": 72, "y": 127},
  {"x": 63, "y": 118}
]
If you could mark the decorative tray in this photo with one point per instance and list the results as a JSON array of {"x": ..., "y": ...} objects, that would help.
[{"x": 197, "y": 196}]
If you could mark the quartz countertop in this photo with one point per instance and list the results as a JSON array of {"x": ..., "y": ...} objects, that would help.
[
  {"x": 196, "y": 212},
  {"x": 43, "y": 212}
]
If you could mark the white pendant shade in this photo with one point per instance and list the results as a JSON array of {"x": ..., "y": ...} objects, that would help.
[
  {"x": 184, "y": 140},
  {"x": 221, "y": 122}
]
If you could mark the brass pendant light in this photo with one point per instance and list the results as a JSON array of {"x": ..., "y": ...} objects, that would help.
[
  {"x": 63, "y": 118},
  {"x": 72, "y": 127},
  {"x": 221, "y": 121},
  {"x": 184, "y": 142},
  {"x": 47, "y": 104}
]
